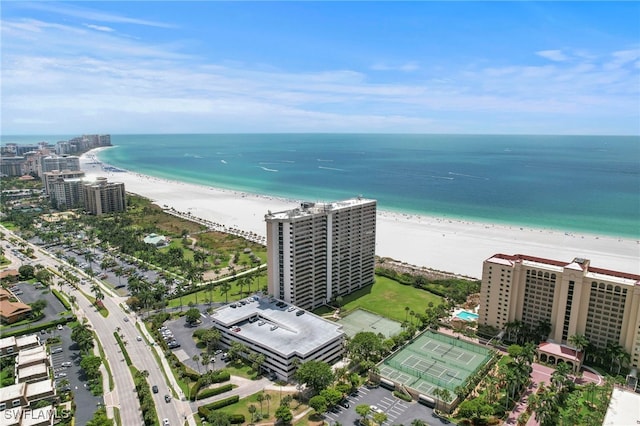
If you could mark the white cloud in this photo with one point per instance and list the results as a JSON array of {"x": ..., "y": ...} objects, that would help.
[
  {"x": 72, "y": 78},
  {"x": 99, "y": 28},
  {"x": 553, "y": 55}
]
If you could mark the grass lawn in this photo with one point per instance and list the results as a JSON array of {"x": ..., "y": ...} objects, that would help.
[
  {"x": 389, "y": 298},
  {"x": 241, "y": 407},
  {"x": 241, "y": 369},
  {"x": 234, "y": 294}
]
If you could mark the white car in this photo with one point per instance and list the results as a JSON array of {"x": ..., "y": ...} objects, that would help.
[
  {"x": 165, "y": 422},
  {"x": 139, "y": 338}
]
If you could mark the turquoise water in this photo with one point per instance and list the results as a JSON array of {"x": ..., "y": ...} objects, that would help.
[
  {"x": 467, "y": 316},
  {"x": 572, "y": 183}
]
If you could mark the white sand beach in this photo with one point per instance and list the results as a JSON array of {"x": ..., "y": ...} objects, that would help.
[{"x": 443, "y": 244}]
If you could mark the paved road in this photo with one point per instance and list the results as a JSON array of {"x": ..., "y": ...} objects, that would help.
[{"x": 124, "y": 395}]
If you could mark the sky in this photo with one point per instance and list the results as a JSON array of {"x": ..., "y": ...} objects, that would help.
[{"x": 126, "y": 67}]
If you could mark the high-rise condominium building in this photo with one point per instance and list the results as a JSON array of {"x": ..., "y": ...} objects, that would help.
[
  {"x": 104, "y": 197},
  {"x": 574, "y": 297},
  {"x": 319, "y": 251}
]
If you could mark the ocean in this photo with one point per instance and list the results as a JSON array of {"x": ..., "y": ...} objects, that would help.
[{"x": 571, "y": 183}]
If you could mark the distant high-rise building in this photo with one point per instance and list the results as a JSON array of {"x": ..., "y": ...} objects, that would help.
[
  {"x": 49, "y": 178},
  {"x": 319, "y": 251},
  {"x": 66, "y": 193},
  {"x": 58, "y": 162},
  {"x": 102, "y": 197},
  {"x": 573, "y": 297}
]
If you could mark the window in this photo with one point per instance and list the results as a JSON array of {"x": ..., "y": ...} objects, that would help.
[{"x": 16, "y": 402}]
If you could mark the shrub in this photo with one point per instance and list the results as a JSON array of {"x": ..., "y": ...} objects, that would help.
[
  {"x": 402, "y": 396},
  {"x": 206, "y": 393},
  {"x": 236, "y": 419},
  {"x": 62, "y": 300},
  {"x": 222, "y": 403}
]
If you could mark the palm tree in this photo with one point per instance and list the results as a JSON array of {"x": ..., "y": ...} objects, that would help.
[
  {"x": 195, "y": 359},
  {"x": 267, "y": 398},
  {"x": 225, "y": 287},
  {"x": 260, "y": 399}
]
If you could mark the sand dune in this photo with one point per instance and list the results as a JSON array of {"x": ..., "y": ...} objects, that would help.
[{"x": 444, "y": 244}]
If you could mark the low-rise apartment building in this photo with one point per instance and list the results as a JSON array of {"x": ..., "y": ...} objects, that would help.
[{"x": 285, "y": 334}]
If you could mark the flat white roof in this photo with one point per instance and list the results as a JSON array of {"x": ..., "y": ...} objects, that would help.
[
  {"x": 7, "y": 342},
  {"x": 28, "y": 340},
  {"x": 39, "y": 416},
  {"x": 38, "y": 388},
  {"x": 11, "y": 417},
  {"x": 32, "y": 370},
  {"x": 302, "y": 334},
  {"x": 624, "y": 408},
  {"x": 310, "y": 208},
  {"x": 30, "y": 356},
  {"x": 540, "y": 265},
  {"x": 611, "y": 279},
  {"x": 11, "y": 392},
  {"x": 500, "y": 261}
]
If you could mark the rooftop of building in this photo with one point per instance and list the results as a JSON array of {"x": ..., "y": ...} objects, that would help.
[
  {"x": 310, "y": 208},
  {"x": 28, "y": 340},
  {"x": 39, "y": 388},
  {"x": 39, "y": 416},
  {"x": 281, "y": 328},
  {"x": 7, "y": 342},
  {"x": 32, "y": 370},
  {"x": 558, "y": 266},
  {"x": 8, "y": 393},
  {"x": 620, "y": 411},
  {"x": 560, "y": 351},
  {"x": 30, "y": 356}
]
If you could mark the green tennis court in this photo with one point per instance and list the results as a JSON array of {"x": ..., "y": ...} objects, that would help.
[
  {"x": 361, "y": 320},
  {"x": 434, "y": 360}
]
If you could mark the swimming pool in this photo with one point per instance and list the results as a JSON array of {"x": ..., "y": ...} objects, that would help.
[{"x": 467, "y": 316}]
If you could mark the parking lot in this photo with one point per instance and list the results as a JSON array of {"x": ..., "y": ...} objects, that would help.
[
  {"x": 65, "y": 362},
  {"x": 183, "y": 335},
  {"x": 397, "y": 410},
  {"x": 29, "y": 293}
]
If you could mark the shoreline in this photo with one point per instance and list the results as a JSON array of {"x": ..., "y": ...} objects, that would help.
[{"x": 445, "y": 244}]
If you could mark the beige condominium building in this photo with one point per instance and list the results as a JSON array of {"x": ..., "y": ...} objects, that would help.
[
  {"x": 319, "y": 251},
  {"x": 575, "y": 297},
  {"x": 102, "y": 197}
]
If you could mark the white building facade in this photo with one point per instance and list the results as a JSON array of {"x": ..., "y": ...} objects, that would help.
[{"x": 320, "y": 251}]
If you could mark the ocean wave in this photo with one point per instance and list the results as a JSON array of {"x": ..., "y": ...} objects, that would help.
[
  {"x": 331, "y": 168},
  {"x": 325, "y": 161},
  {"x": 469, "y": 176},
  {"x": 223, "y": 161},
  {"x": 193, "y": 155},
  {"x": 268, "y": 170}
]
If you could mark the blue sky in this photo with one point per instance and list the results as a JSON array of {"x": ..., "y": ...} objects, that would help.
[{"x": 426, "y": 67}]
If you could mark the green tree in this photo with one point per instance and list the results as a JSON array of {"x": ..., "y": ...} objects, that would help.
[
  {"x": 284, "y": 414},
  {"x": 366, "y": 346},
  {"x": 26, "y": 272},
  {"x": 38, "y": 306},
  {"x": 192, "y": 316},
  {"x": 218, "y": 418},
  {"x": 363, "y": 410},
  {"x": 331, "y": 395},
  {"x": 318, "y": 403},
  {"x": 379, "y": 418},
  {"x": 225, "y": 287},
  {"x": 315, "y": 374},
  {"x": 91, "y": 366}
]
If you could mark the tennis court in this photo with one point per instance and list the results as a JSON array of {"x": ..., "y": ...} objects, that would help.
[
  {"x": 434, "y": 360},
  {"x": 361, "y": 320}
]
